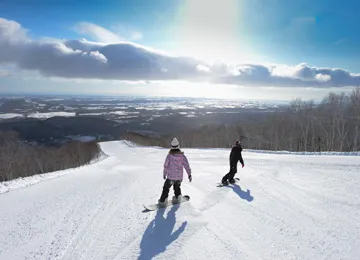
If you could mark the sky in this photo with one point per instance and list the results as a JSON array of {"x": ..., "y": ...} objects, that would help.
[{"x": 241, "y": 49}]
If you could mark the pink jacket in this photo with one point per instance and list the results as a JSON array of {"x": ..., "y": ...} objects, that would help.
[{"x": 174, "y": 164}]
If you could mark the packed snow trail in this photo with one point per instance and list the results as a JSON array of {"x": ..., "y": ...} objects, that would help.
[{"x": 284, "y": 207}]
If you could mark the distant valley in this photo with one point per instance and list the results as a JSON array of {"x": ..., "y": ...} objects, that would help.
[{"x": 53, "y": 119}]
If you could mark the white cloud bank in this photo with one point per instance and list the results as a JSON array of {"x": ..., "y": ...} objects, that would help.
[{"x": 117, "y": 60}]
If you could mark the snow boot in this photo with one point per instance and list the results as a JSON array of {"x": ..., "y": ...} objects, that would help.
[
  {"x": 232, "y": 181},
  {"x": 162, "y": 203},
  {"x": 224, "y": 182},
  {"x": 176, "y": 199}
]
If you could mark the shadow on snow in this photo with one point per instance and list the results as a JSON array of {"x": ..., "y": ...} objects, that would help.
[
  {"x": 159, "y": 234},
  {"x": 245, "y": 195}
]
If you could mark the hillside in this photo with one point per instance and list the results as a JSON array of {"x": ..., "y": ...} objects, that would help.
[{"x": 286, "y": 206}]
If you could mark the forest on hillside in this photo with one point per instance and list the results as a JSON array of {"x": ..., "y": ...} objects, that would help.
[
  {"x": 19, "y": 159},
  {"x": 331, "y": 125}
]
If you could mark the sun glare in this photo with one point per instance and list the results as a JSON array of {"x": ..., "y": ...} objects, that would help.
[
  {"x": 192, "y": 89},
  {"x": 209, "y": 30}
]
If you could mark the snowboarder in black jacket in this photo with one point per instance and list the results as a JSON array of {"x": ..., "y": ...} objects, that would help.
[{"x": 235, "y": 156}]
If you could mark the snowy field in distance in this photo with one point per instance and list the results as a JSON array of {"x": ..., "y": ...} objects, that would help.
[
  {"x": 286, "y": 206},
  {"x": 10, "y": 115},
  {"x": 51, "y": 114}
]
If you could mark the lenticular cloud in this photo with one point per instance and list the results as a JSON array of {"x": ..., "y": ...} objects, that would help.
[{"x": 132, "y": 62}]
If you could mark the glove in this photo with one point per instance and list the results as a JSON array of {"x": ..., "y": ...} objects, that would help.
[
  {"x": 164, "y": 177},
  {"x": 190, "y": 178},
  {"x": 243, "y": 165}
]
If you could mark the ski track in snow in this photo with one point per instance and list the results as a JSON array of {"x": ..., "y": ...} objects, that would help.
[{"x": 286, "y": 206}]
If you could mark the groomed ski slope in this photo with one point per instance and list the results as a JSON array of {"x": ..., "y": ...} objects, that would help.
[{"x": 285, "y": 207}]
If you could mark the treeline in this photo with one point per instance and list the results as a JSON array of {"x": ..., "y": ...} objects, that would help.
[
  {"x": 18, "y": 159},
  {"x": 331, "y": 125},
  {"x": 145, "y": 140}
]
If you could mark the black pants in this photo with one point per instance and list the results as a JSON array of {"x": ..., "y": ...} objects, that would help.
[
  {"x": 233, "y": 170},
  {"x": 166, "y": 188}
]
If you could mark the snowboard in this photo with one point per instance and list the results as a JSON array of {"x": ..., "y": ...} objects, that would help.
[
  {"x": 170, "y": 202},
  {"x": 222, "y": 185}
]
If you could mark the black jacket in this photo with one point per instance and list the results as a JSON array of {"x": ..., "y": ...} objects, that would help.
[{"x": 235, "y": 154}]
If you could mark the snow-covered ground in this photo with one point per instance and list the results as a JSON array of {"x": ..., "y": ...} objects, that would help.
[
  {"x": 51, "y": 114},
  {"x": 286, "y": 206},
  {"x": 10, "y": 115}
]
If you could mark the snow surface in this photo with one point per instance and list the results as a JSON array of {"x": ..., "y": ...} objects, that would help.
[
  {"x": 122, "y": 113},
  {"x": 286, "y": 206},
  {"x": 51, "y": 114},
  {"x": 10, "y": 115}
]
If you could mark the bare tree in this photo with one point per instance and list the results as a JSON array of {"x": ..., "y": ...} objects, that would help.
[{"x": 18, "y": 159}]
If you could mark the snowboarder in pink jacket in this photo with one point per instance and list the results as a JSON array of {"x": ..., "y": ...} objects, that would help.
[{"x": 173, "y": 172}]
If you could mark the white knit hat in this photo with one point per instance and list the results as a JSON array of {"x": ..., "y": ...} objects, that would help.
[{"x": 175, "y": 144}]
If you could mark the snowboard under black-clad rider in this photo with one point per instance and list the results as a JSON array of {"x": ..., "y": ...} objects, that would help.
[{"x": 235, "y": 156}]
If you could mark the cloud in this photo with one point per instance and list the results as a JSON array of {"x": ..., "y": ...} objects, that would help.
[
  {"x": 11, "y": 32},
  {"x": 136, "y": 36},
  {"x": 126, "y": 61},
  {"x": 4, "y": 73},
  {"x": 300, "y": 75},
  {"x": 202, "y": 68},
  {"x": 97, "y": 32},
  {"x": 101, "y": 34}
]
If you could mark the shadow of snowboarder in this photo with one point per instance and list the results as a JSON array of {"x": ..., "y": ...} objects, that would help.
[
  {"x": 245, "y": 195},
  {"x": 159, "y": 234}
]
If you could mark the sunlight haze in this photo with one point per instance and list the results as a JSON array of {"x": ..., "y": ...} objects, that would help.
[{"x": 227, "y": 49}]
